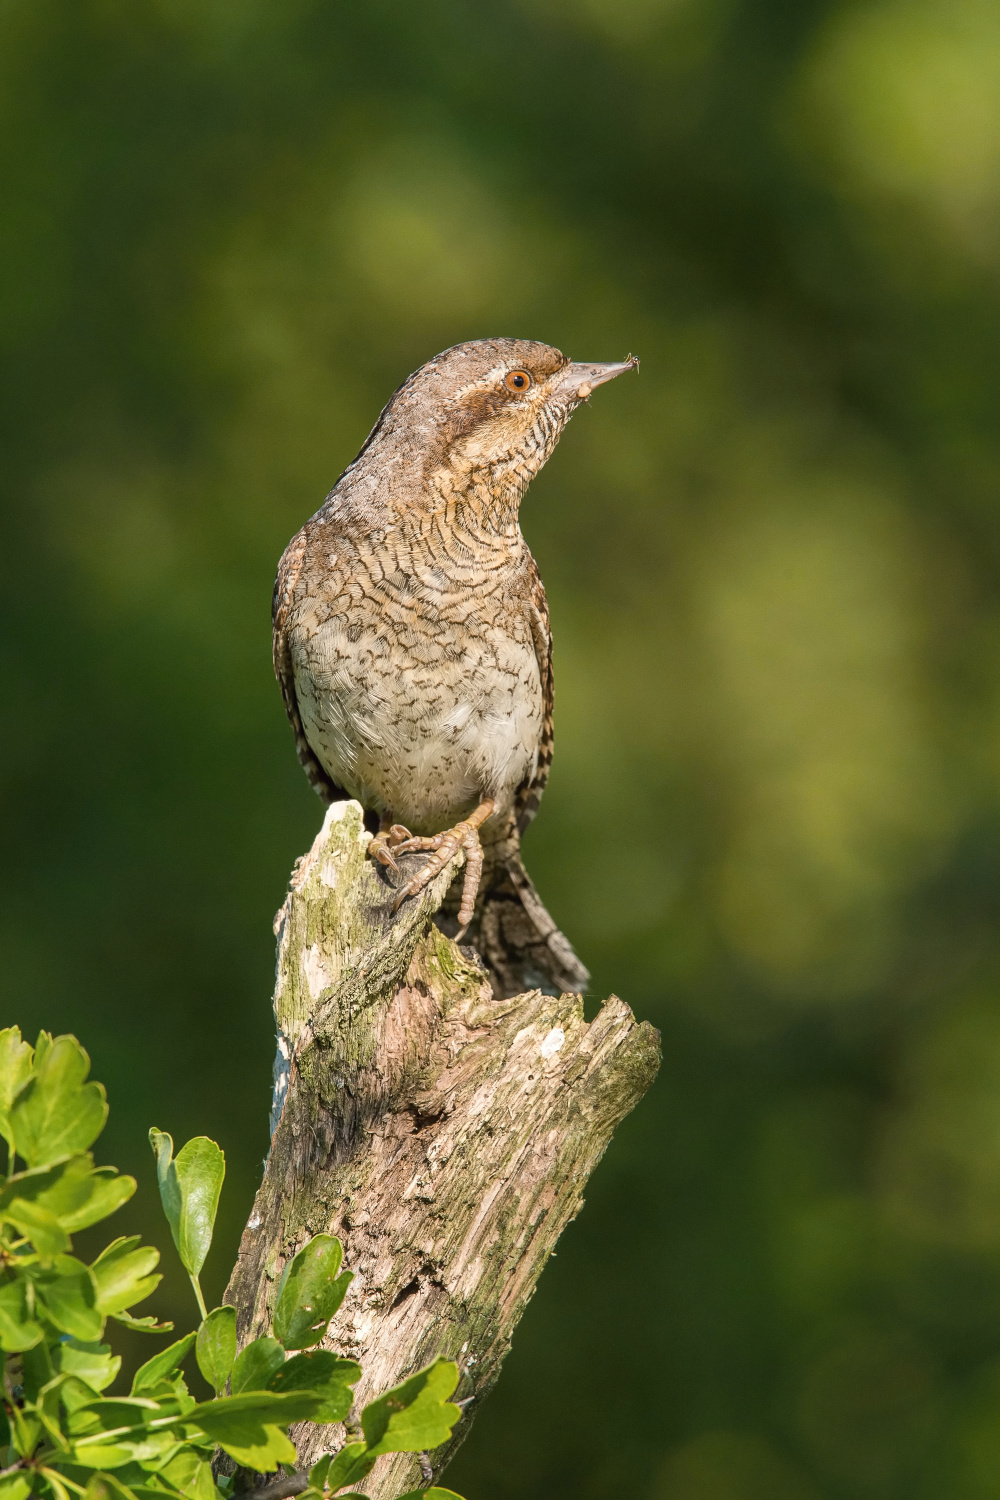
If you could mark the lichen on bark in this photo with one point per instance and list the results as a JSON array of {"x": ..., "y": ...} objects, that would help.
[{"x": 443, "y": 1134}]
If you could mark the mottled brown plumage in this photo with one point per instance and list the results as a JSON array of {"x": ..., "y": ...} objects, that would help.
[{"x": 412, "y": 641}]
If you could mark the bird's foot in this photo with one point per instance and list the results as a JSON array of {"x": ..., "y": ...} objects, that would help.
[
  {"x": 386, "y": 842},
  {"x": 445, "y": 846}
]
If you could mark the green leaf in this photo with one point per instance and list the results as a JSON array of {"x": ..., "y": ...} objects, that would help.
[
  {"x": 68, "y": 1294},
  {"x": 36, "y": 1370},
  {"x": 415, "y": 1416},
  {"x": 216, "y": 1346},
  {"x": 40, "y": 1226},
  {"x": 434, "y": 1493},
  {"x": 56, "y": 1113},
  {"x": 76, "y": 1192},
  {"x": 189, "y": 1191},
  {"x": 92, "y": 1363},
  {"x": 75, "y": 1393},
  {"x": 142, "y": 1325},
  {"x": 106, "y": 1487},
  {"x": 256, "y": 1364},
  {"x": 15, "y": 1070},
  {"x": 111, "y": 1412},
  {"x": 163, "y": 1364},
  {"x": 320, "y": 1469},
  {"x": 326, "y": 1374},
  {"x": 239, "y": 1416},
  {"x": 18, "y": 1329},
  {"x": 190, "y": 1474},
  {"x": 264, "y": 1453},
  {"x": 142, "y": 1447},
  {"x": 166, "y": 1175},
  {"x": 108, "y": 1190},
  {"x": 309, "y": 1293},
  {"x": 26, "y": 1430},
  {"x": 249, "y": 1426},
  {"x": 15, "y": 1486},
  {"x": 47, "y": 1408},
  {"x": 173, "y": 1396},
  {"x": 122, "y": 1274},
  {"x": 110, "y": 1433},
  {"x": 350, "y": 1465},
  {"x": 53, "y": 1481}
]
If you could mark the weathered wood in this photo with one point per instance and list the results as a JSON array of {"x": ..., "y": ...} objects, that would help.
[{"x": 444, "y": 1135}]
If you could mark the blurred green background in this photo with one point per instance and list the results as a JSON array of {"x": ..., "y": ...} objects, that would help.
[{"x": 228, "y": 229}]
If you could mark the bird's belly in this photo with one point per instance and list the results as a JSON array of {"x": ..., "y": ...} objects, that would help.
[{"x": 423, "y": 734}]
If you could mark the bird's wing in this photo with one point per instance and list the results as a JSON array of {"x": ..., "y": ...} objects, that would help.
[
  {"x": 529, "y": 793},
  {"x": 289, "y": 569}
]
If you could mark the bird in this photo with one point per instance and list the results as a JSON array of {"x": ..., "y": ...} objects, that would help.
[{"x": 413, "y": 647}]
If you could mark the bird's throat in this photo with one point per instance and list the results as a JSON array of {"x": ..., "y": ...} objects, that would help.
[{"x": 479, "y": 503}]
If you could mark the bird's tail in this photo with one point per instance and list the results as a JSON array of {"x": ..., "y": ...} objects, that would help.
[{"x": 512, "y": 932}]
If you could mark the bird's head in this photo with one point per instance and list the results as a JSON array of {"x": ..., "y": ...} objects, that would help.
[{"x": 493, "y": 408}]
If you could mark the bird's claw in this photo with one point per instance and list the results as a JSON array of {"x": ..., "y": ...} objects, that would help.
[
  {"x": 444, "y": 846},
  {"x": 386, "y": 844}
]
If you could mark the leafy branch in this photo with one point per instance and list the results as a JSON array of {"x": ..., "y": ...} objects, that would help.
[{"x": 60, "y": 1436}]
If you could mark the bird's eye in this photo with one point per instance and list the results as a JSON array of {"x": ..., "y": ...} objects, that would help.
[{"x": 517, "y": 380}]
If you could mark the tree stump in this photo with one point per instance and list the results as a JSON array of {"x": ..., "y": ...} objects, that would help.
[{"x": 444, "y": 1135}]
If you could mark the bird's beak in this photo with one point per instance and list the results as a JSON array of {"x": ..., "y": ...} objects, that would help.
[{"x": 580, "y": 379}]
